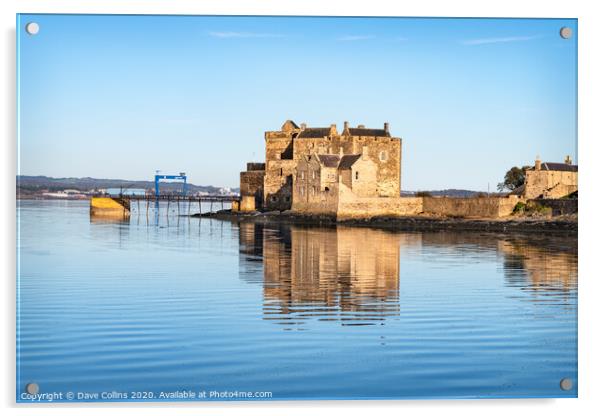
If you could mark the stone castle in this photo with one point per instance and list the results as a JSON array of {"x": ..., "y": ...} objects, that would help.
[
  {"x": 356, "y": 173},
  {"x": 315, "y": 169}
]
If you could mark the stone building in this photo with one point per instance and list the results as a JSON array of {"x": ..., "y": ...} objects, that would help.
[
  {"x": 550, "y": 180},
  {"x": 251, "y": 187},
  {"x": 292, "y": 144},
  {"x": 367, "y": 161}
]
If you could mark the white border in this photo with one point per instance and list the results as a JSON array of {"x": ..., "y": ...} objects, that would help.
[{"x": 590, "y": 309}]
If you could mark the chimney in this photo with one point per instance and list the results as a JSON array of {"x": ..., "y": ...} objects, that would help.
[
  {"x": 303, "y": 126},
  {"x": 333, "y": 130},
  {"x": 364, "y": 152},
  {"x": 568, "y": 160},
  {"x": 386, "y": 127},
  {"x": 537, "y": 163},
  {"x": 346, "y": 128}
]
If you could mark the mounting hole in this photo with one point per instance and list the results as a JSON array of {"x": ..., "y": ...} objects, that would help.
[
  {"x": 566, "y": 384},
  {"x": 32, "y": 28},
  {"x": 566, "y": 32},
  {"x": 32, "y": 388}
]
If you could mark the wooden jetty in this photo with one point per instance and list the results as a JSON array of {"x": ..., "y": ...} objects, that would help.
[{"x": 122, "y": 204}]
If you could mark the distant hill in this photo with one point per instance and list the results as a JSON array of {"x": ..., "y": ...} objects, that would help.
[{"x": 42, "y": 183}]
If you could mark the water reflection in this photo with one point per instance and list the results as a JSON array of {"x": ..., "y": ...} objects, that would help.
[
  {"x": 540, "y": 265},
  {"x": 352, "y": 274}
]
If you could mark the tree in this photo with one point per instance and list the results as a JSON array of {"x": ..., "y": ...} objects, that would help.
[{"x": 514, "y": 178}]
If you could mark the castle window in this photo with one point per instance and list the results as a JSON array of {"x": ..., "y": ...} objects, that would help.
[
  {"x": 357, "y": 175},
  {"x": 383, "y": 156},
  {"x": 280, "y": 171},
  {"x": 326, "y": 189}
]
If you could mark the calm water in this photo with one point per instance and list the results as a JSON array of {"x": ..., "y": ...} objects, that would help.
[{"x": 303, "y": 313}]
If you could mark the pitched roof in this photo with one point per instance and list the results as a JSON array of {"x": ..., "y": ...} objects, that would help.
[
  {"x": 330, "y": 161},
  {"x": 563, "y": 167},
  {"x": 348, "y": 160},
  {"x": 314, "y": 132},
  {"x": 369, "y": 132}
]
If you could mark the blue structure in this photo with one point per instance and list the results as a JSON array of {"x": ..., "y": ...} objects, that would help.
[{"x": 180, "y": 177}]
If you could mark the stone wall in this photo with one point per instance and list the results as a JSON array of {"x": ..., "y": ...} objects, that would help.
[
  {"x": 251, "y": 183},
  {"x": 363, "y": 178},
  {"x": 247, "y": 203},
  {"x": 277, "y": 185},
  {"x": 351, "y": 206},
  {"x": 487, "y": 207},
  {"x": 559, "y": 206},
  {"x": 549, "y": 183}
]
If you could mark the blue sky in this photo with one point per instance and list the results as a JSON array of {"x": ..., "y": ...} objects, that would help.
[{"x": 122, "y": 96}]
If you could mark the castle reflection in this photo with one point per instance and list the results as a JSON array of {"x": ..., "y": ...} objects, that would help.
[{"x": 352, "y": 274}]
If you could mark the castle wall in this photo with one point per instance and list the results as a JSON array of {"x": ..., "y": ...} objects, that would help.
[
  {"x": 385, "y": 152},
  {"x": 247, "y": 203},
  {"x": 251, "y": 185},
  {"x": 488, "y": 207},
  {"x": 363, "y": 178},
  {"x": 277, "y": 184},
  {"x": 352, "y": 207}
]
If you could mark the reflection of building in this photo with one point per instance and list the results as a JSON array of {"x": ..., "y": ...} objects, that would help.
[
  {"x": 548, "y": 265},
  {"x": 550, "y": 180},
  {"x": 351, "y": 274}
]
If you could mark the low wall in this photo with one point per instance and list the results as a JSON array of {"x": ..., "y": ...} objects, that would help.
[
  {"x": 486, "y": 207},
  {"x": 109, "y": 207},
  {"x": 559, "y": 206},
  {"x": 351, "y": 208}
]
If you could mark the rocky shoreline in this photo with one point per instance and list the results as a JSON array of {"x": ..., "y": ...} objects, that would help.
[{"x": 566, "y": 225}]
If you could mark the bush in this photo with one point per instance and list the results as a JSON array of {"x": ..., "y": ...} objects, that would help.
[
  {"x": 519, "y": 208},
  {"x": 423, "y": 193},
  {"x": 531, "y": 208}
]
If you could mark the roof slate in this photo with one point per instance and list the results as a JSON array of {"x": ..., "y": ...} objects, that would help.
[
  {"x": 369, "y": 132},
  {"x": 330, "y": 161},
  {"x": 348, "y": 160},
  {"x": 563, "y": 167},
  {"x": 314, "y": 132}
]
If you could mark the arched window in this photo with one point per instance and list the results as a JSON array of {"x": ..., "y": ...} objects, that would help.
[{"x": 357, "y": 175}]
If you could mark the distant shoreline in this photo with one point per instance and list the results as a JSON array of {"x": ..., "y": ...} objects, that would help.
[{"x": 517, "y": 225}]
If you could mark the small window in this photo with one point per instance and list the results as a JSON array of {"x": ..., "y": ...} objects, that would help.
[
  {"x": 383, "y": 156},
  {"x": 326, "y": 189},
  {"x": 357, "y": 175},
  {"x": 280, "y": 171}
]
